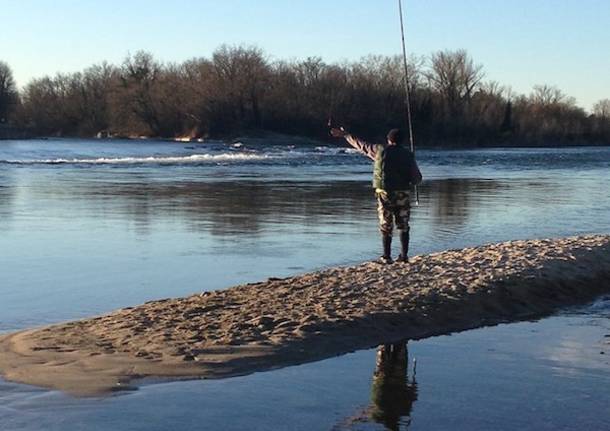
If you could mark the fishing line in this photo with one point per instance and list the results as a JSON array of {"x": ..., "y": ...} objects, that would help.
[{"x": 407, "y": 92}]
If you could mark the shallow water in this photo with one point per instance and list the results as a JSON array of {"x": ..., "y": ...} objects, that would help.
[
  {"x": 89, "y": 226},
  {"x": 546, "y": 375}
]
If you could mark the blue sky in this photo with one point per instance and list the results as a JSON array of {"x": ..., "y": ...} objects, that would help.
[{"x": 519, "y": 42}]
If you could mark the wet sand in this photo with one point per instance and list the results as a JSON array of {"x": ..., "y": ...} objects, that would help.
[{"x": 282, "y": 322}]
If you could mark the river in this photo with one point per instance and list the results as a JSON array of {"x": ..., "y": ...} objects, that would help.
[{"x": 87, "y": 226}]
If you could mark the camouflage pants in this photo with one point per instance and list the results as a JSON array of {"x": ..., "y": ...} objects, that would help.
[{"x": 393, "y": 208}]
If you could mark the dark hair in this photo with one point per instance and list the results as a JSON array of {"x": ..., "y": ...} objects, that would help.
[{"x": 395, "y": 135}]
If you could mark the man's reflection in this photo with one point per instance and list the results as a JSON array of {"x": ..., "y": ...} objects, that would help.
[{"x": 392, "y": 394}]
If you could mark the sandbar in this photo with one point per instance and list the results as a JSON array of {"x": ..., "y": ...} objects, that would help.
[{"x": 308, "y": 317}]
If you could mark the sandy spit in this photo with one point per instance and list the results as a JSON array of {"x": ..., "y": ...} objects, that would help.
[{"x": 308, "y": 317}]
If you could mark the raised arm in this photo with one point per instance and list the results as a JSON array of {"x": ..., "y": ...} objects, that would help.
[{"x": 369, "y": 150}]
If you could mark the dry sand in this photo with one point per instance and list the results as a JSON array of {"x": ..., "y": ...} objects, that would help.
[{"x": 280, "y": 322}]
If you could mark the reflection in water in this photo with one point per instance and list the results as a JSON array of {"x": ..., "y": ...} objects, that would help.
[
  {"x": 220, "y": 207},
  {"x": 7, "y": 196},
  {"x": 251, "y": 207},
  {"x": 451, "y": 208},
  {"x": 392, "y": 392},
  {"x": 451, "y": 201}
]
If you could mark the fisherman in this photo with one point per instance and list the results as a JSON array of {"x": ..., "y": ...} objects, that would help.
[{"x": 395, "y": 171}]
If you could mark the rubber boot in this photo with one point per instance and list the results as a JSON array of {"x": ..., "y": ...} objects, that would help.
[
  {"x": 404, "y": 246},
  {"x": 387, "y": 248}
]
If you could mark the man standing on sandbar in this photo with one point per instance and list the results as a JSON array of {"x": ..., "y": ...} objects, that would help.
[{"x": 395, "y": 171}]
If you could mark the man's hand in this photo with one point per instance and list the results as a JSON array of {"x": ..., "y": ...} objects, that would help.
[{"x": 338, "y": 132}]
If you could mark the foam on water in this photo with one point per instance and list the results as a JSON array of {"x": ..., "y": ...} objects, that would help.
[{"x": 193, "y": 158}]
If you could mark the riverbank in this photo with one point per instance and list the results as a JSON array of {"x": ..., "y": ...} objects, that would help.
[
  {"x": 263, "y": 137},
  {"x": 13, "y": 133},
  {"x": 313, "y": 316}
]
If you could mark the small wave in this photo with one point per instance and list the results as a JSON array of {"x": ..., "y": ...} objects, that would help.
[
  {"x": 335, "y": 150},
  {"x": 194, "y": 158}
]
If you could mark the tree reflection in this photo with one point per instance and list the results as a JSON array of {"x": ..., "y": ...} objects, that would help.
[
  {"x": 450, "y": 202},
  {"x": 7, "y": 197},
  {"x": 225, "y": 208}
]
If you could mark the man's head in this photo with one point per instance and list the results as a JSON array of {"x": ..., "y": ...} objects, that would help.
[{"x": 395, "y": 137}]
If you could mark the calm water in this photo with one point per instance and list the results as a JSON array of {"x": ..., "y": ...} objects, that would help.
[{"x": 89, "y": 226}]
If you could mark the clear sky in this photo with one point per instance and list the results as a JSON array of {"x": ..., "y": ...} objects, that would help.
[{"x": 519, "y": 42}]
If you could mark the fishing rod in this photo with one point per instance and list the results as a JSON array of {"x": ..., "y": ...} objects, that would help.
[{"x": 407, "y": 92}]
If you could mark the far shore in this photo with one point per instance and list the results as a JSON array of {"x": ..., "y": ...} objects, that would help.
[
  {"x": 288, "y": 321},
  {"x": 263, "y": 137}
]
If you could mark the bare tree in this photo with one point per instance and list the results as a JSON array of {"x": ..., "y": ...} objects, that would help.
[
  {"x": 139, "y": 75},
  {"x": 456, "y": 77},
  {"x": 489, "y": 109},
  {"x": 8, "y": 92},
  {"x": 602, "y": 109},
  {"x": 548, "y": 95},
  {"x": 197, "y": 85},
  {"x": 99, "y": 83},
  {"x": 242, "y": 74}
]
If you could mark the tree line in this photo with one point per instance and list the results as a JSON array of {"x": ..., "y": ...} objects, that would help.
[{"x": 240, "y": 90}]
